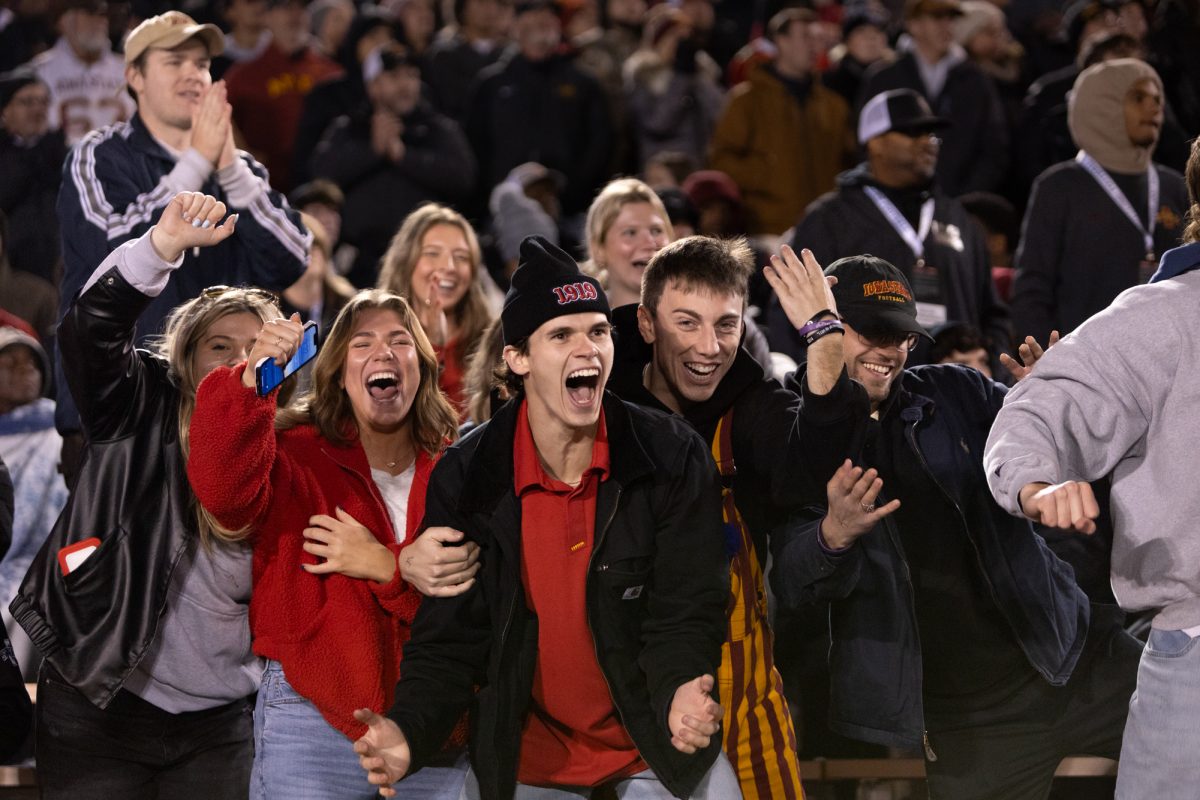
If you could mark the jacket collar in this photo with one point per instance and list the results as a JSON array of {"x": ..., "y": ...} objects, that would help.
[
  {"x": 490, "y": 473},
  {"x": 143, "y": 140}
]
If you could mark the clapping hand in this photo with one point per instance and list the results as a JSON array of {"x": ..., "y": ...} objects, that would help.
[
  {"x": 212, "y": 124},
  {"x": 191, "y": 219}
]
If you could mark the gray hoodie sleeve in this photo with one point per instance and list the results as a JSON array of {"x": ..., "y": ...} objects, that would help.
[{"x": 1086, "y": 406}]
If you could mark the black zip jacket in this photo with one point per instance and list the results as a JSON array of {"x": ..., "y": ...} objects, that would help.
[
  {"x": 95, "y": 624},
  {"x": 656, "y": 592},
  {"x": 875, "y": 658}
]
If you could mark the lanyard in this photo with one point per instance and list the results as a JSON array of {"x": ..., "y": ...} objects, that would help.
[
  {"x": 1122, "y": 202},
  {"x": 915, "y": 239}
]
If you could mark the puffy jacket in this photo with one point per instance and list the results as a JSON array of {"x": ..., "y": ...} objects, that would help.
[
  {"x": 338, "y": 638},
  {"x": 95, "y": 624},
  {"x": 656, "y": 592},
  {"x": 875, "y": 657}
]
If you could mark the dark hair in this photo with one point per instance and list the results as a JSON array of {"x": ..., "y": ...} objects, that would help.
[
  {"x": 782, "y": 21},
  {"x": 955, "y": 338},
  {"x": 1102, "y": 48},
  {"x": 505, "y": 378},
  {"x": 679, "y": 207},
  {"x": 722, "y": 266},
  {"x": 321, "y": 191},
  {"x": 1191, "y": 176},
  {"x": 996, "y": 214}
]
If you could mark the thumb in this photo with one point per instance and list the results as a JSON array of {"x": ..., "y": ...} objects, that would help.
[
  {"x": 704, "y": 683},
  {"x": 295, "y": 317},
  {"x": 367, "y": 717}
]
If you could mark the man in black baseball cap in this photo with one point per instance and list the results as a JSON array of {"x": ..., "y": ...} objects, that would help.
[
  {"x": 602, "y": 602},
  {"x": 958, "y": 632}
]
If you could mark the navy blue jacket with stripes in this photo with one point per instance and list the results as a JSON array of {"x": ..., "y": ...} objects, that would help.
[{"x": 118, "y": 180}]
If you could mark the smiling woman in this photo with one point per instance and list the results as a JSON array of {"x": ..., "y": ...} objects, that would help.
[{"x": 333, "y": 489}]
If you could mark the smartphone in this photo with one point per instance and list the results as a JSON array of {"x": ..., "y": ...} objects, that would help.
[
  {"x": 268, "y": 375},
  {"x": 71, "y": 556}
]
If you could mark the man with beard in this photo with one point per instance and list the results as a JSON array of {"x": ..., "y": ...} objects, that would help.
[
  {"x": 889, "y": 206},
  {"x": 1097, "y": 224},
  {"x": 86, "y": 78}
]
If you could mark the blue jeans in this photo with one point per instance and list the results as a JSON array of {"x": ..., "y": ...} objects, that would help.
[
  {"x": 300, "y": 756},
  {"x": 1162, "y": 741},
  {"x": 719, "y": 783}
]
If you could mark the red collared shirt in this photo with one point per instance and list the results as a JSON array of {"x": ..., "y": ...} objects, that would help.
[{"x": 572, "y": 734}]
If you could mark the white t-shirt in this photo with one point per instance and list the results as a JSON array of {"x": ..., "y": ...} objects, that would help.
[
  {"x": 83, "y": 97},
  {"x": 395, "y": 489}
]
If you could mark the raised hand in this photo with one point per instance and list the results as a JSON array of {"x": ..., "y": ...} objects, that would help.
[
  {"x": 382, "y": 751},
  {"x": 1070, "y": 505},
  {"x": 191, "y": 219},
  {"x": 801, "y": 286},
  {"x": 1030, "y": 351},
  {"x": 694, "y": 717},
  {"x": 347, "y": 547},
  {"x": 211, "y": 123},
  {"x": 437, "y": 566},
  {"x": 851, "y": 494},
  {"x": 277, "y": 340},
  {"x": 432, "y": 315}
]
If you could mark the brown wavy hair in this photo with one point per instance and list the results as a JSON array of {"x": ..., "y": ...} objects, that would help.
[
  {"x": 1191, "y": 177},
  {"x": 184, "y": 328},
  {"x": 472, "y": 314},
  {"x": 327, "y": 406}
]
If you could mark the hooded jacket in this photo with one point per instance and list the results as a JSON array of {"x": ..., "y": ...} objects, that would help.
[
  {"x": 1178, "y": 261},
  {"x": 1078, "y": 250}
]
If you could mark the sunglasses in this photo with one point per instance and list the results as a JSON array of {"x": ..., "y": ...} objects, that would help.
[
  {"x": 213, "y": 292},
  {"x": 905, "y": 343}
]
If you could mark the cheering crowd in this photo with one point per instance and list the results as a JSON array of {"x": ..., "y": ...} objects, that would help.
[{"x": 853, "y": 424}]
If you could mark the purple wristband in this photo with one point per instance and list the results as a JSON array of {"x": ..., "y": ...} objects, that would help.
[{"x": 812, "y": 327}]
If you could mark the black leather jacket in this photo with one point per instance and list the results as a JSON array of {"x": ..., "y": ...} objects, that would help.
[
  {"x": 94, "y": 625},
  {"x": 656, "y": 591}
]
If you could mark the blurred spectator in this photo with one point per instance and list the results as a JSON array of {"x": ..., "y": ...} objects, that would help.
[
  {"x": 267, "y": 93},
  {"x": 784, "y": 136},
  {"x": 864, "y": 41},
  {"x": 372, "y": 29},
  {"x": 31, "y": 158},
  {"x": 29, "y": 446},
  {"x": 957, "y": 343},
  {"x": 323, "y": 200},
  {"x": 538, "y": 106},
  {"x": 248, "y": 36},
  {"x": 462, "y": 51},
  {"x": 330, "y": 21},
  {"x": 118, "y": 180},
  {"x": 23, "y": 294},
  {"x": 25, "y": 31},
  {"x": 983, "y": 33},
  {"x": 974, "y": 156},
  {"x": 418, "y": 22},
  {"x": 390, "y": 156},
  {"x": 718, "y": 203},
  {"x": 86, "y": 78},
  {"x": 602, "y": 51},
  {"x": 320, "y": 293},
  {"x": 667, "y": 168},
  {"x": 1002, "y": 227},
  {"x": 718, "y": 35},
  {"x": 485, "y": 392},
  {"x": 672, "y": 89},
  {"x": 1175, "y": 43},
  {"x": 890, "y": 207},
  {"x": 684, "y": 217},
  {"x": 1096, "y": 225},
  {"x": 435, "y": 262},
  {"x": 523, "y": 204}
]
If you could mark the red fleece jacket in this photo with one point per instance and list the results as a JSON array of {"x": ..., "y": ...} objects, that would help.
[{"x": 338, "y": 638}]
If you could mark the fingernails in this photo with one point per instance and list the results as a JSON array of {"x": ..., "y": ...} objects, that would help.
[
  {"x": 207, "y": 224},
  {"x": 233, "y": 220},
  {"x": 196, "y": 223}
]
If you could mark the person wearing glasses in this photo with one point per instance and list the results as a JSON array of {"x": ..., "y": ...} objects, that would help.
[
  {"x": 955, "y": 630},
  {"x": 889, "y": 206},
  {"x": 138, "y": 600}
]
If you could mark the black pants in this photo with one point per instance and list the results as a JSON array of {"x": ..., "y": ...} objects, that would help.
[
  {"x": 1010, "y": 751},
  {"x": 134, "y": 750}
]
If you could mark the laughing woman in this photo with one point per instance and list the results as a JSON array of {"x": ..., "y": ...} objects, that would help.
[{"x": 335, "y": 485}]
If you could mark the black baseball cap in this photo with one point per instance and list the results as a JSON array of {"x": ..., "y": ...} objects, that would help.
[
  {"x": 901, "y": 110},
  {"x": 874, "y": 297}
]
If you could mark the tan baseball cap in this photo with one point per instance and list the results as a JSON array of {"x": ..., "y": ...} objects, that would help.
[{"x": 170, "y": 30}]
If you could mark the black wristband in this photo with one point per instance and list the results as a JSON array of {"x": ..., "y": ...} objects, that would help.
[
  {"x": 825, "y": 330},
  {"x": 824, "y": 312}
]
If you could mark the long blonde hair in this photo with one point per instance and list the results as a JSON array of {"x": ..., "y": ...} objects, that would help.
[
  {"x": 184, "y": 329},
  {"x": 603, "y": 212},
  {"x": 472, "y": 314},
  {"x": 327, "y": 406}
]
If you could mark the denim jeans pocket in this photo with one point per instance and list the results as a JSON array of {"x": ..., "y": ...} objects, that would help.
[
  {"x": 1168, "y": 644},
  {"x": 275, "y": 689}
]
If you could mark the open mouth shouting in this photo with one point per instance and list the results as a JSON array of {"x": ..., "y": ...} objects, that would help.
[
  {"x": 583, "y": 386},
  {"x": 700, "y": 372},
  {"x": 383, "y": 386}
]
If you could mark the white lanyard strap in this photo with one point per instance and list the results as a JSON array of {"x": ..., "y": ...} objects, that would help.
[
  {"x": 1122, "y": 202},
  {"x": 915, "y": 239}
]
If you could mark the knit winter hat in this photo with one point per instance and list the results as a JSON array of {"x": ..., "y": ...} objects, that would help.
[
  {"x": 547, "y": 284},
  {"x": 14, "y": 81},
  {"x": 11, "y": 337},
  {"x": 977, "y": 15},
  {"x": 1096, "y": 114}
]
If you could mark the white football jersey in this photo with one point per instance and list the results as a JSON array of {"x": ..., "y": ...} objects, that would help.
[{"x": 83, "y": 97}]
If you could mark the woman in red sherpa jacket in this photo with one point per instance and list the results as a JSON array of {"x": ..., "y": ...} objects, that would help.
[{"x": 331, "y": 492}]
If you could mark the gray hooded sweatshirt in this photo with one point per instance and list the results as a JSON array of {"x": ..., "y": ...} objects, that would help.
[{"x": 1120, "y": 395}]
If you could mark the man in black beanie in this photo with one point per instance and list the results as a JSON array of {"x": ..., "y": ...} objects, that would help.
[{"x": 595, "y": 627}]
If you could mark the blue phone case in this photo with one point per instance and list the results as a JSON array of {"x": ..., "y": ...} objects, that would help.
[{"x": 268, "y": 374}]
